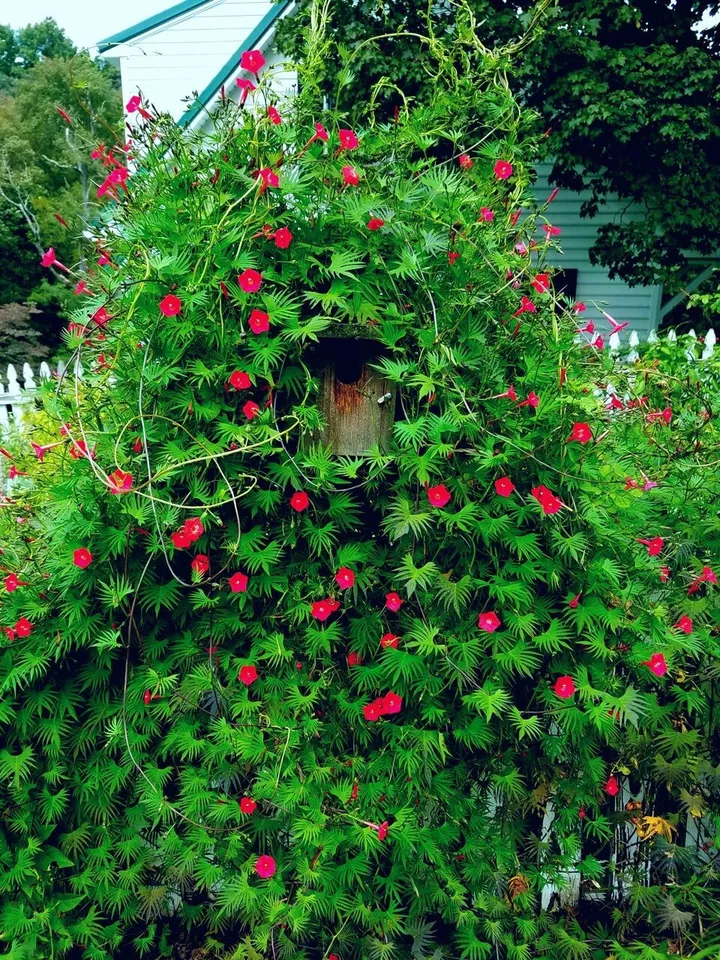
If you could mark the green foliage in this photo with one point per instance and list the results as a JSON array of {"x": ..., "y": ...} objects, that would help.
[
  {"x": 143, "y": 697},
  {"x": 45, "y": 168},
  {"x": 627, "y": 91}
]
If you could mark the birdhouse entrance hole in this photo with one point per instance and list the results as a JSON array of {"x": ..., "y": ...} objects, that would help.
[{"x": 357, "y": 402}]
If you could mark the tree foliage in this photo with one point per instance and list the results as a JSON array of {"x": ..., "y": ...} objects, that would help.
[
  {"x": 628, "y": 91},
  {"x": 47, "y": 180},
  {"x": 293, "y": 704}
]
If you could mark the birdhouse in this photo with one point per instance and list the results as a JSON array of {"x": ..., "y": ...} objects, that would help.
[{"x": 357, "y": 402}]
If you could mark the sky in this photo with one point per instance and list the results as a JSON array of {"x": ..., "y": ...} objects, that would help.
[{"x": 85, "y": 21}]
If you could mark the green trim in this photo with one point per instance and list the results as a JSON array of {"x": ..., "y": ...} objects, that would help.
[
  {"x": 688, "y": 289},
  {"x": 185, "y": 6},
  {"x": 221, "y": 76}
]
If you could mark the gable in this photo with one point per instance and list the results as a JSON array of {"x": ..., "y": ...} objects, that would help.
[{"x": 195, "y": 52}]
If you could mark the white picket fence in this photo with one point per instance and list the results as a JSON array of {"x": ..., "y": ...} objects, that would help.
[
  {"x": 17, "y": 392},
  {"x": 633, "y": 343}
]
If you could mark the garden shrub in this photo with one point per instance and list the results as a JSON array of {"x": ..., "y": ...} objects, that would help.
[{"x": 269, "y": 701}]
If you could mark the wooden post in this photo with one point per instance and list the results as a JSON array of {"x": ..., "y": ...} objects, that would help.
[{"x": 357, "y": 402}]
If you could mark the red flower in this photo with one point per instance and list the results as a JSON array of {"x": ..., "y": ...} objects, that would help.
[
  {"x": 526, "y": 306},
  {"x": 551, "y": 231},
  {"x": 489, "y": 622},
  {"x": 391, "y": 703},
  {"x": 269, "y": 178},
  {"x": 354, "y": 659},
  {"x": 80, "y": 449},
  {"x": 531, "y": 400},
  {"x": 251, "y": 409},
  {"x": 23, "y": 628},
  {"x": 252, "y": 60},
  {"x": 684, "y": 624},
  {"x": 248, "y": 805},
  {"x": 322, "y": 609},
  {"x": 345, "y": 578},
  {"x": 200, "y": 564},
  {"x": 486, "y": 214},
  {"x": 372, "y": 711},
  {"x": 382, "y": 830},
  {"x": 579, "y": 307},
  {"x": 283, "y": 238},
  {"x": 707, "y": 576},
  {"x": 504, "y": 486},
  {"x": 138, "y": 445},
  {"x": 665, "y": 574},
  {"x": 350, "y": 176},
  {"x": 564, "y": 687},
  {"x": 240, "y": 380},
  {"x": 147, "y": 697},
  {"x": 320, "y": 133},
  {"x": 438, "y": 496},
  {"x": 193, "y": 528},
  {"x": 66, "y": 116},
  {"x": 503, "y": 169},
  {"x": 300, "y": 501},
  {"x": 250, "y": 281},
  {"x": 180, "y": 540},
  {"x": 547, "y": 500},
  {"x": 615, "y": 403},
  {"x": 465, "y": 161},
  {"x": 375, "y": 223},
  {"x": 654, "y": 546},
  {"x": 133, "y": 103},
  {"x": 274, "y": 116},
  {"x": 348, "y": 140},
  {"x": 170, "y": 306},
  {"x": 390, "y": 640},
  {"x": 120, "y": 482},
  {"x": 574, "y": 603},
  {"x": 238, "y": 582},
  {"x": 393, "y": 601},
  {"x": 82, "y": 288},
  {"x": 82, "y": 558},
  {"x": 101, "y": 316},
  {"x": 581, "y": 433},
  {"x": 49, "y": 259},
  {"x": 656, "y": 664},
  {"x": 248, "y": 675},
  {"x": 247, "y": 87},
  {"x": 541, "y": 283},
  {"x": 612, "y": 787},
  {"x": 265, "y": 866},
  {"x": 258, "y": 321}
]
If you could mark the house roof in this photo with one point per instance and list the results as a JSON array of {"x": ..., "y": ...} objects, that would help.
[
  {"x": 250, "y": 42},
  {"x": 185, "y": 6}
]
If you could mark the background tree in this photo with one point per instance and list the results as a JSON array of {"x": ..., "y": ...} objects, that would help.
[
  {"x": 629, "y": 91},
  {"x": 46, "y": 171}
]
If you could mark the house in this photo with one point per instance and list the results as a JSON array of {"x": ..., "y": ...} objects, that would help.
[{"x": 182, "y": 58}]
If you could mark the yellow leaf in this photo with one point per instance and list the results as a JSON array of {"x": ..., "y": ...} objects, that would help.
[{"x": 648, "y": 827}]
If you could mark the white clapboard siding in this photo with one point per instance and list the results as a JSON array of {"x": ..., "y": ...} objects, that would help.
[
  {"x": 638, "y": 305},
  {"x": 170, "y": 62}
]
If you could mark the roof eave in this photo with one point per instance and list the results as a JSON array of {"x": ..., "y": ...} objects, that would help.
[{"x": 158, "y": 20}]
